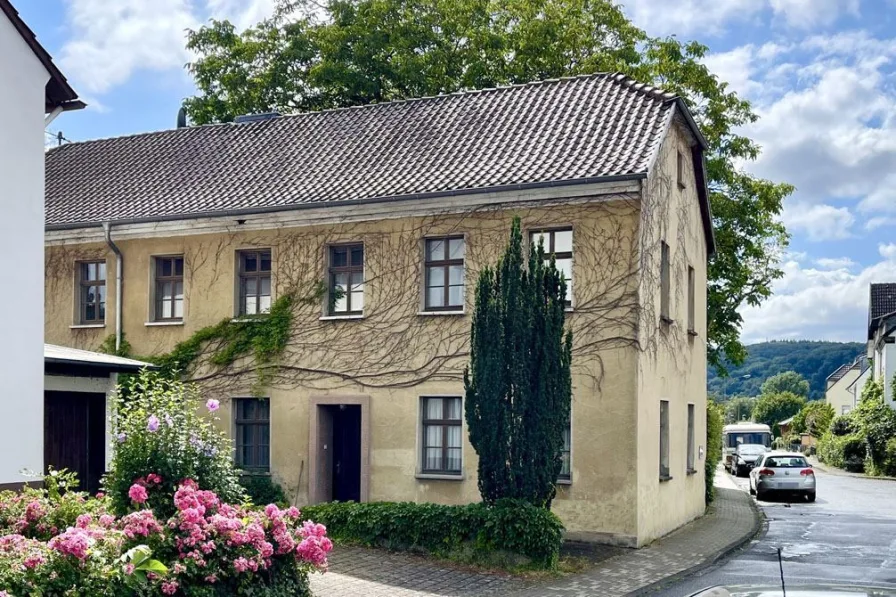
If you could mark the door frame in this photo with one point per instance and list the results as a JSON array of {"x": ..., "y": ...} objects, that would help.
[{"x": 316, "y": 491}]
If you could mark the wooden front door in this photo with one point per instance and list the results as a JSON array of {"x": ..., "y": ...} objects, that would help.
[
  {"x": 74, "y": 435},
  {"x": 347, "y": 453}
]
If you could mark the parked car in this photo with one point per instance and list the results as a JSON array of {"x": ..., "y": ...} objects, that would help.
[
  {"x": 783, "y": 472},
  {"x": 745, "y": 457}
]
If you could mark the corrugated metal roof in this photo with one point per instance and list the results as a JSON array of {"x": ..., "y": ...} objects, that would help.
[{"x": 75, "y": 356}]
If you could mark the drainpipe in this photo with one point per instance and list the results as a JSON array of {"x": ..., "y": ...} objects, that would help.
[
  {"x": 52, "y": 115},
  {"x": 119, "y": 259}
]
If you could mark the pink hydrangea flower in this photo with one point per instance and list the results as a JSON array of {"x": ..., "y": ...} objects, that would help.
[
  {"x": 138, "y": 494},
  {"x": 107, "y": 520},
  {"x": 83, "y": 521},
  {"x": 241, "y": 564},
  {"x": 73, "y": 542},
  {"x": 34, "y": 511},
  {"x": 212, "y": 405}
]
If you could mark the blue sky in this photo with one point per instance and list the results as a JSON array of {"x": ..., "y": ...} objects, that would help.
[{"x": 820, "y": 74}]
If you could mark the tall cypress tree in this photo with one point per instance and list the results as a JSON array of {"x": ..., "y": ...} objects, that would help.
[{"x": 518, "y": 384}]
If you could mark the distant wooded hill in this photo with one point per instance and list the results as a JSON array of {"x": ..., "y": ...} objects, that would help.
[{"x": 811, "y": 359}]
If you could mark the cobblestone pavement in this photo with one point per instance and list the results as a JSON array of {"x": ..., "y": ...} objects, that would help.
[
  {"x": 372, "y": 573},
  {"x": 375, "y": 573}
]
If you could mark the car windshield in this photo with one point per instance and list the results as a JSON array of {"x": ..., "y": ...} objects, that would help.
[
  {"x": 736, "y": 439},
  {"x": 751, "y": 450},
  {"x": 786, "y": 462}
]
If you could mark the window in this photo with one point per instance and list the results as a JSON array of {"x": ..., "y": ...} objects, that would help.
[
  {"x": 255, "y": 282},
  {"x": 559, "y": 244},
  {"x": 444, "y": 264},
  {"x": 844, "y": 409},
  {"x": 682, "y": 170},
  {"x": 252, "y": 426},
  {"x": 692, "y": 312},
  {"x": 566, "y": 467},
  {"x": 664, "y": 283},
  {"x": 664, "y": 440},
  {"x": 169, "y": 289},
  {"x": 92, "y": 292},
  {"x": 346, "y": 280},
  {"x": 691, "y": 438},
  {"x": 442, "y": 435}
]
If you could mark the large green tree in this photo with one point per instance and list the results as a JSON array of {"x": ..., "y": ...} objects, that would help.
[
  {"x": 771, "y": 409},
  {"x": 518, "y": 385},
  {"x": 739, "y": 408},
  {"x": 788, "y": 381},
  {"x": 350, "y": 52}
]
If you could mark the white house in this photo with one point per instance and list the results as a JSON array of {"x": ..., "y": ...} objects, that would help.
[
  {"x": 34, "y": 92},
  {"x": 882, "y": 336}
]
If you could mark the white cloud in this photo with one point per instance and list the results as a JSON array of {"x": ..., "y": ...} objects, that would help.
[
  {"x": 819, "y": 222},
  {"x": 818, "y": 304},
  {"x": 830, "y": 263},
  {"x": 111, "y": 40},
  {"x": 806, "y": 14},
  {"x": 887, "y": 251},
  {"x": 879, "y": 222},
  {"x": 686, "y": 17}
]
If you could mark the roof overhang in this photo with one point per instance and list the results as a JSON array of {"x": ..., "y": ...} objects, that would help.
[
  {"x": 70, "y": 361},
  {"x": 59, "y": 94}
]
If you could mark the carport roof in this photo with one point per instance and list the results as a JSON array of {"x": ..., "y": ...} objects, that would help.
[{"x": 62, "y": 355}]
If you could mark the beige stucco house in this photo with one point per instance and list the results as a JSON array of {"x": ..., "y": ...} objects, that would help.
[
  {"x": 840, "y": 385},
  {"x": 398, "y": 206}
]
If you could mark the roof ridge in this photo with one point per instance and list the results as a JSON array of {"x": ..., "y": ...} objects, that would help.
[{"x": 616, "y": 77}]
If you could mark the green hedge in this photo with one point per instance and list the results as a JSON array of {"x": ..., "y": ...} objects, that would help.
[
  {"x": 509, "y": 534},
  {"x": 715, "y": 421},
  {"x": 846, "y": 451}
]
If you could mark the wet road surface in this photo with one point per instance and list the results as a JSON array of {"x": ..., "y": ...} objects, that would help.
[{"x": 848, "y": 536}]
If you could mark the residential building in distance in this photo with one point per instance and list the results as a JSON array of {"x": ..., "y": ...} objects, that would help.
[
  {"x": 34, "y": 93},
  {"x": 882, "y": 336},
  {"x": 361, "y": 233},
  {"x": 841, "y": 385}
]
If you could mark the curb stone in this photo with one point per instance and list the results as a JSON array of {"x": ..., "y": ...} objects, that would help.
[
  {"x": 759, "y": 524},
  {"x": 832, "y": 470}
]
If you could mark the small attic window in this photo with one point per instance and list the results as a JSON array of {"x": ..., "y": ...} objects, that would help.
[{"x": 682, "y": 169}]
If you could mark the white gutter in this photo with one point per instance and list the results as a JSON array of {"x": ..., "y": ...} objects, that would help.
[
  {"x": 107, "y": 228},
  {"x": 52, "y": 115}
]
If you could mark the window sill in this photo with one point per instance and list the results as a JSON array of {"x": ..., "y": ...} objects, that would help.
[
  {"x": 340, "y": 317},
  {"x": 682, "y": 186},
  {"x": 693, "y": 333},
  {"x": 665, "y": 478},
  {"x": 87, "y": 326},
  {"x": 162, "y": 323},
  {"x": 430, "y": 313},
  {"x": 439, "y": 476},
  {"x": 253, "y": 472},
  {"x": 564, "y": 481},
  {"x": 692, "y": 471},
  {"x": 249, "y": 319},
  {"x": 666, "y": 320}
]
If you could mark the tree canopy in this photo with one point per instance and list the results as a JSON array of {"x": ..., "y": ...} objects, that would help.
[
  {"x": 771, "y": 409},
  {"x": 739, "y": 409},
  {"x": 309, "y": 56},
  {"x": 788, "y": 381}
]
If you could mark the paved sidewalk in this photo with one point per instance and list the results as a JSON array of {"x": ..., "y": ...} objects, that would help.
[
  {"x": 833, "y": 470},
  {"x": 732, "y": 520}
]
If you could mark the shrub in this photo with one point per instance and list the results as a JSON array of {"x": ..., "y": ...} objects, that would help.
[
  {"x": 876, "y": 422},
  {"x": 261, "y": 489},
  {"x": 207, "y": 548},
  {"x": 509, "y": 533},
  {"x": 842, "y": 425},
  {"x": 814, "y": 418},
  {"x": 715, "y": 421},
  {"x": 160, "y": 431},
  {"x": 889, "y": 460},
  {"x": 847, "y": 451}
]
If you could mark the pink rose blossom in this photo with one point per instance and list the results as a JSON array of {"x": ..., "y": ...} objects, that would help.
[
  {"x": 107, "y": 520},
  {"x": 83, "y": 521},
  {"x": 100, "y": 495},
  {"x": 33, "y": 561},
  {"x": 73, "y": 542},
  {"x": 128, "y": 569},
  {"x": 211, "y": 578},
  {"x": 138, "y": 493},
  {"x": 241, "y": 564}
]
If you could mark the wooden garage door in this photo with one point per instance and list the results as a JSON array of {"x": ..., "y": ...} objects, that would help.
[{"x": 74, "y": 435}]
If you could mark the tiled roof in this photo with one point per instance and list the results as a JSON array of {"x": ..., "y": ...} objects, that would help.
[
  {"x": 881, "y": 303},
  {"x": 579, "y": 129},
  {"x": 838, "y": 374}
]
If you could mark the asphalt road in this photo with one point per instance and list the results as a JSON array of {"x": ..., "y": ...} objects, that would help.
[{"x": 848, "y": 536}]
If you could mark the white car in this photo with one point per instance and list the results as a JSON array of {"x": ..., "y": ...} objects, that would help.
[{"x": 782, "y": 472}]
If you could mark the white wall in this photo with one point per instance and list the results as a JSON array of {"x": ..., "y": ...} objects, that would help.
[
  {"x": 22, "y": 81},
  {"x": 888, "y": 369}
]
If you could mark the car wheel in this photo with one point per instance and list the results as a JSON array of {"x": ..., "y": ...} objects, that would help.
[
  {"x": 760, "y": 495},
  {"x": 810, "y": 497},
  {"x": 752, "y": 491}
]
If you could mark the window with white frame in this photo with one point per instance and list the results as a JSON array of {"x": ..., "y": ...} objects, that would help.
[
  {"x": 566, "y": 466},
  {"x": 346, "y": 279},
  {"x": 691, "y": 438},
  {"x": 442, "y": 445},
  {"x": 254, "y": 282},
  {"x": 665, "y": 283}
]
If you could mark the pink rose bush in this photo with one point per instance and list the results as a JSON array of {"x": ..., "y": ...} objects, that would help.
[{"x": 224, "y": 548}]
